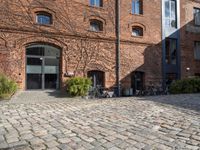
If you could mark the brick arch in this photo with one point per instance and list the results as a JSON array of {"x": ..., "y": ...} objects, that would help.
[
  {"x": 35, "y": 39},
  {"x": 96, "y": 18},
  {"x": 43, "y": 9},
  {"x": 138, "y": 25},
  {"x": 97, "y": 66}
]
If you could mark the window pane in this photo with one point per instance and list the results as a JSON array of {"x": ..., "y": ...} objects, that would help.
[
  {"x": 197, "y": 51},
  {"x": 35, "y": 51},
  {"x": 170, "y": 13},
  {"x": 97, "y": 3},
  {"x": 92, "y": 2},
  {"x": 136, "y": 7},
  {"x": 171, "y": 51},
  {"x": 133, "y": 7},
  {"x": 34, "y": 66},
  {"x": 167, "y": 49},
  {"x": 43, "y": 19},
  {"x": 96, "y": 25},
  {"x": 34, "y": 81},
  {"x": 167, "y": 11},
  {"x": 173, "y": 9},
  {"x": 137, "y": 31}
]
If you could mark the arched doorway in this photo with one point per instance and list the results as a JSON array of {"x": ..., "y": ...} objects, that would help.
[
  {"x": 137, "y": 80},
  {"x": 98, "y": 78},
  {"x": 42, "y": 67}
]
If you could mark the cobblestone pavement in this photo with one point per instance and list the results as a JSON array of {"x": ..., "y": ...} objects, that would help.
[{"x": 163, "y": 122}]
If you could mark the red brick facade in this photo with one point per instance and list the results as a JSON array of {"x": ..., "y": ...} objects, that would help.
[{"x": 83, "y": 50}]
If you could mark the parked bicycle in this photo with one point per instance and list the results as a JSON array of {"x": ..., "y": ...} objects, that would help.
[
  {"x": 100, "y": 92},
  {"x": 152, "y": 91}
]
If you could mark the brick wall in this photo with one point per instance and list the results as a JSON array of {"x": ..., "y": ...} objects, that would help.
[
  {"x": 189, "y": 34},
  {"x": 83, "y": 50}
]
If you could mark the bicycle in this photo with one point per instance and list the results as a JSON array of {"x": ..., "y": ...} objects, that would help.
[{"x": 100, "y": 92}]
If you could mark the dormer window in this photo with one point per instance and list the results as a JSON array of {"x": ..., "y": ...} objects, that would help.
[
  {"x": 43, "y": 18},
  {"x": 96, "y": 25},
  {"x": 96, "y": 3},
  {"x": 137, "y": 31}
]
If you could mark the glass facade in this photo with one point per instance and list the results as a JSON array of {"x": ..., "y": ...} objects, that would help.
[{"x": 170, "y": 14}]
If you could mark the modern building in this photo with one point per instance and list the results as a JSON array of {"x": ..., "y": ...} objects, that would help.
[{"x": 45, "y": 42}]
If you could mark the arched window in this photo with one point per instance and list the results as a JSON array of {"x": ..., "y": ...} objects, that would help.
[
  {"x": 97, "y": 3},
  {"x": 96, "y": 25},
  {"x": 137, "y": 31},
  {"x": 44, "y": 18}
]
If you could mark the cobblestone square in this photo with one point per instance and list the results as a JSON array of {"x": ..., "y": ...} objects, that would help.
[{"x": 38, "y": 121}]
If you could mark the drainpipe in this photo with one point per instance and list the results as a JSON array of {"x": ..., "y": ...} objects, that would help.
[{"x": 118, "y": 47}]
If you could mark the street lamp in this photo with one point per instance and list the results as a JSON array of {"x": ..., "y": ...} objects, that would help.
[{"x": 188, "y": 70}]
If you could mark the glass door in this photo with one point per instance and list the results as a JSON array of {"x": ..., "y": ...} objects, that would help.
[
  {"x": 34, "y": 73},
  {"x": 51, "y": 73},
  {"x": 137, "y": 80},
  {"x": 42, "y": 67}
]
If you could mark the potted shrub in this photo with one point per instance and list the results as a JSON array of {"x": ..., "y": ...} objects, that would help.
[
  {"x": 184, "y": 86},
  {"x": 7, "y": 87},
  {"x": 78, "y": 86}
]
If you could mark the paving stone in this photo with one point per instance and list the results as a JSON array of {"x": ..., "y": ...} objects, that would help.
[
  {"x": 18, "y": 144},
  {"x": 160, "y": 122},
  {"x": 51, "y": 144},
  {"x": 3, "y": 145},
  {"x": 64, "y": 140},
  {"x": 38, "y": 146},
  {"x": 12, "y": 139},
  {"x": 114, "y": 148},
  {"x": 36, "y": 141},
  {"x": 64, "y": 147}
]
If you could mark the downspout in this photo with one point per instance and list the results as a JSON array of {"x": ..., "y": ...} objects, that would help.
[{"x": 118, "y": 48}]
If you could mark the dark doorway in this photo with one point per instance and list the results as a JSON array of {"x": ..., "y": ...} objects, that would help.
[
  {"x": 42, "y": 67},
  {"x": 137, "y": 81},
  {"x": 98, "y": 78}
]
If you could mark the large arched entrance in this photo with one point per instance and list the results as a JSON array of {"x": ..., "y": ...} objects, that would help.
[{"x": 42, "y": 67}]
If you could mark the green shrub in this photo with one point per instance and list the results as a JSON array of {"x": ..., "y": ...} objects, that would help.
[
  {"x": 78, "y": 86},
  {"x": 184, "y": 86},
  {"x": 7, "y": 87}
]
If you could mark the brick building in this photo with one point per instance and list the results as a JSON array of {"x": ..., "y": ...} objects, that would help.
[{"x": 45, "y": 42}]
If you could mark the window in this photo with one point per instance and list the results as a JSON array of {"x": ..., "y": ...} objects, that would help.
[
  {"x": 96, "y": 25},
  {"x": 197, "y": 50},
  {"x": 43, "y": 18},
  {"x": 137, "y": 7},
  {"x": 97, "y": 3},
  {"x": 171, "y": 51},
  {"x": 170, "y": 14},
  {"x": 197, "y": 16},
  {"x": 137, "y": 31},
  {"x": 97, "y": 77}
]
